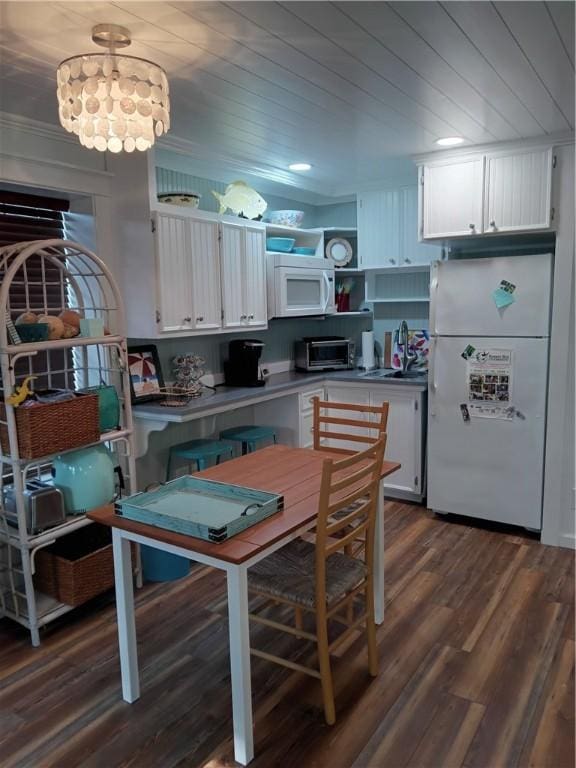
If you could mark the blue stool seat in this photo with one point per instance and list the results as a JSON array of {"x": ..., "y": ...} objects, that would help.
[
  {"x": 249, "y": 436},
  {"x": 198, "y": 451}
]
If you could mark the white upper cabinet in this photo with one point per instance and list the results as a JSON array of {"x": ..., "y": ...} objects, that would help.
[
  {"x": 412, "y": 251},
  {"x": 379, "y": 228},
  {"x": 243, "y": 276},
  {"x": 452, "y": 198},
  {"x": 486, "y": 194},
  {"x": 210, "y": 274},
  {"x": 188, "y": 274},
  {"x": 255, "y": 276},
  {"x": 388, "y": 230},
  {"x": 518, "y": 191},
  {"x": 205, "y": 274}
]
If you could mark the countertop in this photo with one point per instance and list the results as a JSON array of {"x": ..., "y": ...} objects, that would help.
[{"x": 224, "y": 398}]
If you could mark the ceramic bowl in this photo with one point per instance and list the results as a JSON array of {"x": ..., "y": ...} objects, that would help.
[
  {"x": 281, "y": 244},
  {"x": 286, "y": 218}
]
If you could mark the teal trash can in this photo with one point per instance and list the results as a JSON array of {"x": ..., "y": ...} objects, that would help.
[{"x": 162, "y": 566}]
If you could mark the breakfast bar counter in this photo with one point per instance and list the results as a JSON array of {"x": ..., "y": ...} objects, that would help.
[{"x": 152, "y": 417}]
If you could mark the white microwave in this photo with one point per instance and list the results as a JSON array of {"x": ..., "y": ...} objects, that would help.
[{"x": 299, "y": 286}]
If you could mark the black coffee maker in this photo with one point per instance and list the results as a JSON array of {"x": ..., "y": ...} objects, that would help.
[{"x": 242, "y": 368}]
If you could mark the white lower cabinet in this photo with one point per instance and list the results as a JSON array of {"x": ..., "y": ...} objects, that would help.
[
  {"x": 405, "y": 431},
  {"x": 405, "y": 438},
  {"x": 306, "y": 403}
]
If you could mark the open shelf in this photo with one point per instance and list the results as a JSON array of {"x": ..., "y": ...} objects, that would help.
[
  {"x": 47, "y": 536},
  {"x": 295, "y": 230},
  {"x": 402, "y": 300},
  {"x": 77, "y": 341},
  {"x": 105, "y": 437},
  {"x": 354, "y": 313}
]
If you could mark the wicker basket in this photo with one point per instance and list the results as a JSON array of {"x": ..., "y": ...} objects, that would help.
[
  {"x": 77, "y": 567},
  {"x": 53, "y": 427}
]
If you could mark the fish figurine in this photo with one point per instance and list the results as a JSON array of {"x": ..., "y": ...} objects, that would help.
[
  {"x": 21, "y": 393},
  {"x": 241, "y": 199}
]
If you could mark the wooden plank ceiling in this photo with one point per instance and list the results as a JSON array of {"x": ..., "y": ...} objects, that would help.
[{"x": 345, "y": 86}]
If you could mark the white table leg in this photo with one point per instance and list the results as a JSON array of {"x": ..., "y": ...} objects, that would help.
[
  {"x": 125, "y": 616},
  {"x": 379, "y": 558},
  {"x": 240, "y": 664}
]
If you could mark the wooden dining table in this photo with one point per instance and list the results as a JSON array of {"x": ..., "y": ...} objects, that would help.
[{"x": 293, "y": 472}]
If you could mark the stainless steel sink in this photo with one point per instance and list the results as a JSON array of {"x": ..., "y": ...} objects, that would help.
[
  {"x": 401, "y": 375},
  {"x": 384, "y": 374}
]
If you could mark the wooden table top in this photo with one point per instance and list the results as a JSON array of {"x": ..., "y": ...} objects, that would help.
[{"x": 293, "y": 472}]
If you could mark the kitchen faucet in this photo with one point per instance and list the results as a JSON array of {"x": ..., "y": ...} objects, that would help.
[{"x": 407, "y": 357}]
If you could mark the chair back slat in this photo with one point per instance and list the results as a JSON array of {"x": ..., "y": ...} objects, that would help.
[{"x": 328, "y": 427}]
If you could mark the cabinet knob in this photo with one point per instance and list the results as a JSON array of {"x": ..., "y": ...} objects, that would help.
[
  {"x": 251, "y": 317},
  {"x": 199, "y": 319},
  {"x": 392, "y": 261},
  {"x": 471, "y": 226},
  {"x": 242, "y": 317},
  {"x": 187, "y": 319},
  {"x": 407, "y": 261}
]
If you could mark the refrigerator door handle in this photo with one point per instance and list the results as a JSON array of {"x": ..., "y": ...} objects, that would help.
[
  {"x": 432, "y": 377},
  {"x": 433, "y": 297}
]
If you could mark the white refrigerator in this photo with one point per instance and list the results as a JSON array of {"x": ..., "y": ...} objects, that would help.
[{"x": 489, "y": 328}]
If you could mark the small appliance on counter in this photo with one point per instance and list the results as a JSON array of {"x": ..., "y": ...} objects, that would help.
[
  {"x": 43, "y": 505},
  {"x": 324, "y": 353},
  {"x": 242, "y": 369},
  {"x": 86, "y": 478}
]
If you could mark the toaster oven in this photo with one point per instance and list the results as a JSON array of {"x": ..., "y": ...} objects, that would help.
[{"x": 324, "y": 353}]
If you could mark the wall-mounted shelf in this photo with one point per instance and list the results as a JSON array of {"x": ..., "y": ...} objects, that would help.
[
  {"x": 307, "y": 238},
  {"x": 356, "y": 313},
  {"x": 398, "y": 286},
  {"x": 403, "y": 300}
]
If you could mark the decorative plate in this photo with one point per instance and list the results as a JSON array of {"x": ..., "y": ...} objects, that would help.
[{"x": 339, "y": 251}]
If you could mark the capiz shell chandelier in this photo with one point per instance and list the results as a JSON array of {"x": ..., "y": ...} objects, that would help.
[{"x": 110, "y": 101}]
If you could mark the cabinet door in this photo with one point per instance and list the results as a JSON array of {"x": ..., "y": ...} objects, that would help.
[
  {"x": 379, "y": 228},
  {"x": 174, "y": 274},
  {"x": 412, "y": 251},
  {"x": 404, "y": 437},
  {"x": 255, "y": 276},
  {"x": 232, "y": 266},
  {"x": 518, "y": 188},
  {"x": 452, "y": 198},
  {"x": 357, "y": 396},
  {"x": 207, "y": 301}
]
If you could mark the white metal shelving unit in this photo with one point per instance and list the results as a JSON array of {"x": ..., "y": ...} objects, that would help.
[{"x": 32, "y": 274}]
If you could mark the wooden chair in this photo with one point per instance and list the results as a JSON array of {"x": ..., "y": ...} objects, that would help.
[
  {"x": 321, "y": 579},
  {"x": 324, "y": 438}
]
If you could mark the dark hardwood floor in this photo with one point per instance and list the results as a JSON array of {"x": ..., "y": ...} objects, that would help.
[{"x": 477, "y": 670}]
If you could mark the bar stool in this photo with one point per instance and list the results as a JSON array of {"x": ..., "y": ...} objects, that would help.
[
  {"x": 249, "y": 436},
  {"x": 198, "y": 451}
]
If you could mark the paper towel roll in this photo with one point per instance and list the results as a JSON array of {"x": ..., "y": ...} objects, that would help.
[{"x": 368, "y": 350}]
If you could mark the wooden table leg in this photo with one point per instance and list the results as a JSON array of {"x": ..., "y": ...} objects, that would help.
[
  {"x": 125, "y": 616},
  {"x": 379, "y": 558},
  {"x": 237, "y": 578}
]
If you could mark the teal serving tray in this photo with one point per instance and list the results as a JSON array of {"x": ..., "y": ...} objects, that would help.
[{"x": 205, "y": 509}]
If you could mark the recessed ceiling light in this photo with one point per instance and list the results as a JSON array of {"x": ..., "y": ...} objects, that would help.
[
  {"x": 299, "y": 166},
  {"x": 450, "y": 141}
]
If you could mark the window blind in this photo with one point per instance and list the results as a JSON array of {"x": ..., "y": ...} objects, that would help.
[{"x": 26, "y": 217}]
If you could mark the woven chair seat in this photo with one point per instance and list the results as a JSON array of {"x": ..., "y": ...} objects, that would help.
[
  {"x": 289, "y": 573},
  {"x": 347, "y": 510}
]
